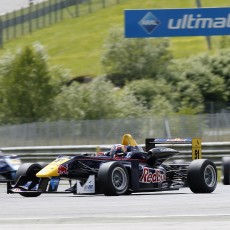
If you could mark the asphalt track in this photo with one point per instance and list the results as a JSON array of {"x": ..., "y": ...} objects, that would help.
[{"x": 178, "y": 210}]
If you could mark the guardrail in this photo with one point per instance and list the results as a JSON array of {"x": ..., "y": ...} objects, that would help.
[{"x": 210, "y": 150}]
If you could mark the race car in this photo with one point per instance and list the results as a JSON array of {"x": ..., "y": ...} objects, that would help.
[
  {"x": 9, "y": 164},
  {"x": 140, "y": 170}
]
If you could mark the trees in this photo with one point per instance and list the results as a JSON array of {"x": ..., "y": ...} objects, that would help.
[
  {"x": 126, "y": 60},
  {"x": 196, "y": 84},
  {"x": 95, "y": 100},
  {"x": 25, "y": 89},
  {"x": 144, "y": 81},
  {"x": 156, "y": 96},
  {"x": 220, "y": 66},
  {"x": 146, "y": 68},
  {"x": 199, "y": 70}
]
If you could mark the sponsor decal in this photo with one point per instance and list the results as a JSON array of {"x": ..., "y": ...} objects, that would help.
[
  {"x": 63, "y": 169},
  {"x": 149, "y": 22},
  {"x": 197, "y": 21},
  {"x": 150, "y": 177},
  {"x": 175, "y": 139},
  {"x": 167, "y": 150},
  {"x": 54, "y": 182},
  {"x": 16, "y": 190},
  {"x": 88, "y": 187}
]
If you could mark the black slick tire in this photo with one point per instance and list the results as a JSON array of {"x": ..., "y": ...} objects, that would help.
[
  {"x": 202, "y": 176},
  {"x": 226, "y": 170},
  {"x": 113, "y": 179},
  {"x": 28, "y": 171}
]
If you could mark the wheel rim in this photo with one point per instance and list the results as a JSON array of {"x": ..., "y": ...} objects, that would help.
[
  {"x": 210, "y": 176},
  {"x": 119, "y": 179}
]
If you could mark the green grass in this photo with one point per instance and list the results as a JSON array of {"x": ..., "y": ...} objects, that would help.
[{"x": 76, "y": 43}]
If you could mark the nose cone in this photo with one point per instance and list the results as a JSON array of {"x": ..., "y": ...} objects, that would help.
[{"x": 51, "y": 170}]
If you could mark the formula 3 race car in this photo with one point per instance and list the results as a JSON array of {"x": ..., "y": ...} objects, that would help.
[
  {"x": 9, "y": 164},
  {"x": 139, "y": 171}
]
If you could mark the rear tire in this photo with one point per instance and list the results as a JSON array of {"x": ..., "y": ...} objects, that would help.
[
  {"x": 202, "y": 176},
  {"x": 226, "y": 170},
  {"x": 113, "y": 179}
]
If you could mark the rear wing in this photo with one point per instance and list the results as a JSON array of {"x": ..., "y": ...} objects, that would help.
[{"x": 195, "y": 144}]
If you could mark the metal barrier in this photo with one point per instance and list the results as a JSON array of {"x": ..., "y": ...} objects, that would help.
[{"x": 210, "y": 150}]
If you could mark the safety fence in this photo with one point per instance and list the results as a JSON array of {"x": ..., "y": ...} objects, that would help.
[
  {"x": 209, "y": 127},
  {"x": 36, "y": 16}
]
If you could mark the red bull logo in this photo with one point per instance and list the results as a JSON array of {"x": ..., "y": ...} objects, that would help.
[
  {"x": 149, "y": 177},
  {"x": 63, "y": 169}
]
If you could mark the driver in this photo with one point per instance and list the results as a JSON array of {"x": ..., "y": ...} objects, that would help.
[{"x": 118, "y": 150}]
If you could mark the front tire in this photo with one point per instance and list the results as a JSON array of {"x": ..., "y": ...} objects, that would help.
[
  {"x": 28, "y": 171},
  {"x": 113, "y": 179},
  {"x": 202, "y": 176}
]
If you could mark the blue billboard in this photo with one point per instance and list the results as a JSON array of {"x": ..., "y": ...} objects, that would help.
[{"x": 177, "y": 22}]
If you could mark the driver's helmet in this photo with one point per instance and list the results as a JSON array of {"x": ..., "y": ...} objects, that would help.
[{"x": 118, "y": 150}]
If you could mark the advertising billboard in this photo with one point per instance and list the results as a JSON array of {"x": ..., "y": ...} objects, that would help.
[{"x": 177, "y": 22}]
